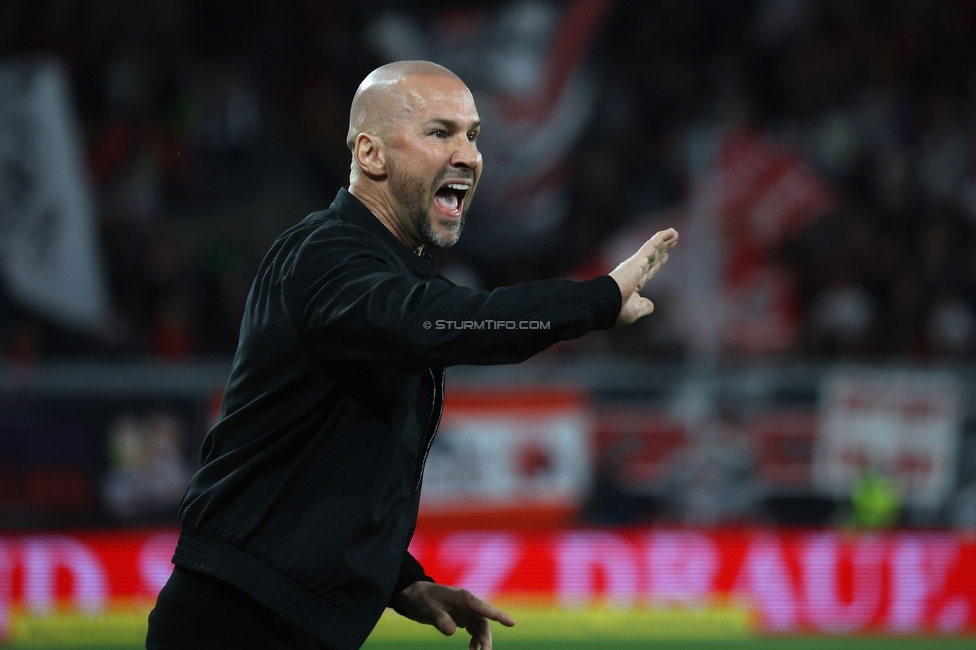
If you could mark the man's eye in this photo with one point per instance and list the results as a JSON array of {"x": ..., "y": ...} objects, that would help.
[
  {"x": 438, "y": 134},
  {"x": 472, "y": 136}
]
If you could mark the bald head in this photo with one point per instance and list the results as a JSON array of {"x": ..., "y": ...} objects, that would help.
[
  {"x": 413, "y": 130},
  {"x": 387, "y": 95}
]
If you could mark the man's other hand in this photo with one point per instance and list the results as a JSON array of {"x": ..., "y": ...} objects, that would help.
[
  {"x": 633, "y": 272},
  {"x": 448, "y": 608}
]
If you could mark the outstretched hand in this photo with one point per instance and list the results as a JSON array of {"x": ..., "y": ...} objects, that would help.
[
  {"x": 448, "y": 608},
  {"x": 634, "y": 272}
]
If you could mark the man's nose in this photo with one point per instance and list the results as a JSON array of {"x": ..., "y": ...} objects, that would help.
[{"x": 466, "y": 155}]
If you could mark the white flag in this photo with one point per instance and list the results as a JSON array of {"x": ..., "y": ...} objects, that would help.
[{"x": 49, "y": 250}]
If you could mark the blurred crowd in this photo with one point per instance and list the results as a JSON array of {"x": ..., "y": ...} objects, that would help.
[{"x": 209, "y": 127}]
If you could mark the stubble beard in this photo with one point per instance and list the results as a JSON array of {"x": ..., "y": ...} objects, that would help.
[{"x": 415, "y": 198}]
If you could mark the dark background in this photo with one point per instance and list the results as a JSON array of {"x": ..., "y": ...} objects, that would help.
[{"x": 210, "y": 127}]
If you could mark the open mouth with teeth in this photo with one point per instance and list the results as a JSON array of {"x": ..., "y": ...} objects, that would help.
[{"x": 450, "y": 198}]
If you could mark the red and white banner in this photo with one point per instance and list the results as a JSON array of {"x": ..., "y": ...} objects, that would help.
[
  {"x": 906, "y": 425},
  {"x": 809, "y": 582},
  {"x": 509, "y": 453}
]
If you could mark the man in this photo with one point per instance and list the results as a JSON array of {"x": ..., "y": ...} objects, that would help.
[{"x": 295, "y": 529}]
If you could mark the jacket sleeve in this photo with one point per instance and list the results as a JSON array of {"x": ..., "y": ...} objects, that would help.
[
  {"x": 349, "y": 303},
  {"x": 410, "y": 572}
]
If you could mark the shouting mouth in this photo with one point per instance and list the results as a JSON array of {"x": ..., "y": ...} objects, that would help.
[{"x": 449, "y": 199}]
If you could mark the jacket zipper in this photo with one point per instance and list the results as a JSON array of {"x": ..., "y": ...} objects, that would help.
[{"x": 433, "y": 431}]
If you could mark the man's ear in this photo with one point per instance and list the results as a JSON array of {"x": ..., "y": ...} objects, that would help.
[{"x": 369, "y": 155}]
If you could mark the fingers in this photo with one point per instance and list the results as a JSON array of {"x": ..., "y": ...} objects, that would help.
[
  {"x": 653, "y": 254},
  {"x": 487, "y": 610},
  {"x": 636, "y": 308},
  {"x": 480, "y": 630},
  {"x": 444, "y": 623},
  {"x": 477, "y": 616},
  {"x": 448, "y": 608},
  {"x": 662, "y": 240},
  {"x": 644, "y": 307},
  {"x": 665, "y": 238},
  {"x": 632, "y": 274},
  {"x": 651, "y": 271}
]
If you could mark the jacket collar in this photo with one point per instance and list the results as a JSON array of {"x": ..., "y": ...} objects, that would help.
[{"x": 351, "y": 209}]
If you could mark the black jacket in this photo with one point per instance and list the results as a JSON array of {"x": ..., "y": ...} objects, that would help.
[{"x": 308, "y": 493}]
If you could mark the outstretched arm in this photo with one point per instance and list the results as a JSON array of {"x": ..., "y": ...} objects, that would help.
[{"x": 448, "y": 608}]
